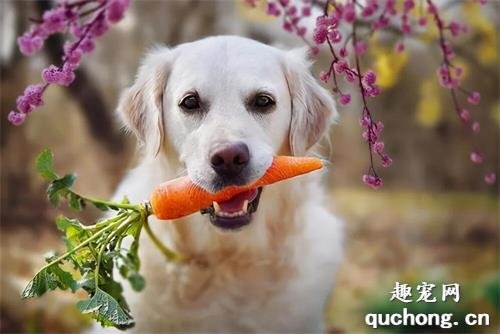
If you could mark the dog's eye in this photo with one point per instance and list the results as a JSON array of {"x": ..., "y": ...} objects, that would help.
[
  {"x": 190, "y": 102},
  {"x": 263, "y": 102}
]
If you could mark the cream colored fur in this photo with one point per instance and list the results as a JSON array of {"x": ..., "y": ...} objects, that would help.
[{"x": 272, "y": 276}]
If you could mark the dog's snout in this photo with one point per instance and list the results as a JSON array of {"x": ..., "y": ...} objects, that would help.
[{"x": 229, "y": 159}]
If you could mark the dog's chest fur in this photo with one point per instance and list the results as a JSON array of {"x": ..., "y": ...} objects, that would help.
[{"x": 275, "y": 275}]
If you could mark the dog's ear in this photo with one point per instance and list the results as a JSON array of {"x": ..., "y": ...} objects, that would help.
[
  {"x": 313, "y": 108},
  {"x": 141, "y": 106}
]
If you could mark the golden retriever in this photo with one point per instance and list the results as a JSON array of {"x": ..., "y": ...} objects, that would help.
[{"x": 218, "y": 109}]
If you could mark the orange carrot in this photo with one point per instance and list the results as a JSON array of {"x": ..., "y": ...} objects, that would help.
[{"x": 181, "y": 197}]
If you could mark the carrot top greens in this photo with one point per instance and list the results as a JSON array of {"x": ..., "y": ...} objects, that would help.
[{"x": 94, "y": 251}]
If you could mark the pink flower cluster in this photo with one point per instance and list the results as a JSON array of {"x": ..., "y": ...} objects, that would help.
[
  {"x": 292, "y": 15},
  {"x": 328, "y": 31},
  {"x": 337, "y": 29},
  {"x": 31, "y": 99},
  {"x": 67, "y": 16},
  {"x": 450, "y": 77}
]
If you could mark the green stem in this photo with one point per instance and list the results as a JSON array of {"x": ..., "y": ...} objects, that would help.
[
  {"x": 169, "y": 254},
  {"x": 110, "y": 237},
  {"x": 135, "y": 207},
  {"x": 113, "y": 222}
]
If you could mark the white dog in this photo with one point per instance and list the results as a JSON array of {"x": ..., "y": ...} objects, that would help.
[{"x": 263, "y": 261}]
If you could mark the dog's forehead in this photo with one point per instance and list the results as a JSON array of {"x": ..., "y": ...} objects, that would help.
[{"x": 227, "y": 59}]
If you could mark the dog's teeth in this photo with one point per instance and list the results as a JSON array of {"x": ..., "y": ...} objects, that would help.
[
  {"x": 245, "y": 206},
  {"x": 216, "y": 207}
]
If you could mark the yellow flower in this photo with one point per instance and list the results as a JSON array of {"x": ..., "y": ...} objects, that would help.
[
  {"x": 487, "y": 49},
  {"x": 495, "y": 113},
  {"x": 429, "y": 111},
  {"x": 388, "y": 65}
]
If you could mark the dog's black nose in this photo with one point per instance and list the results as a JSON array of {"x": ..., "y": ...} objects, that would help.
[{"x": 229, "y": 159}]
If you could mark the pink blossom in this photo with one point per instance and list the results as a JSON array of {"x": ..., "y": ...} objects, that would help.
[
  {"x": 55, "y": 20},
  {"x": 16, "y": 118},
  {"x": 369, "y": 136},
  {"x": 465, "y": 115},
  {"x": 29, "y": 44},
  {"x": 350, "y": 76},
  {"x": 431, "y": 9},
  {"x": 447, "y": 50},
  {"x": 474, "y": 98},
  {"x": 284, "y": 3},
  {"x": 406, "y": 28},
  {"x": 33, "y": 95},
  {"x": 324, "y": 76},
  {"x": 378, "y": 147},
  {"x": 287, "y": 26},
  {"x": 340, "y": 66},
  {"x": 31, "y": 98},
  {"x": 455, "y": 28},
  {"x": 381, "y": 22},
  {"x": 364, "y": 121},
  {"x": 334, "y": 36},
  {"x": 490, "y": 178},
  {"x": 370, "y": 7},
  {"x": 360, "y": 47},
  {"x": 379, "y": 127},
  {"x": 386, "y": 160},
  {"x": 116, "y": 10},
  {"x": 408, "y": 5},
  {"x": 476, "y": 127},
  {"x": 400, "y": 47},
  {"x": 272, "y": 9},
  {"x": 52, "y": 74},
  {"x": 292, "y": 11},
  {"x": 343, "y": 52},
  {"x": 23, "y": 105},
  {"x": 369, "y": 78},
  {"x": 320, "y": 34},
  {"x": 301, "y": 31},
  {"x": 345, "y": 99},
  {"x": 445, "y": 78},
  {"x": 390, "y": 7},
  {"x": 77, "y": 29},
  {"x": 422, "y": 21},
  {"x": 306, "y": 11},
  {"x": 349, "y": 13},
  {"x": 87, "y": 45},
  {"x": 73, "y": 58},
  {"x": 476, "y": 157},
  {"x": 99, "y": 27},
  {"x": 373, "y": 181}
]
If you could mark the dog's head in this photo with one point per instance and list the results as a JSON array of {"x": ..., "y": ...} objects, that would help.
[{"x": 226, "y": 105}]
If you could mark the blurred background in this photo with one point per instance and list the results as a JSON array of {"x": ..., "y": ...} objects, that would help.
[{"x": 435, "y": 219}]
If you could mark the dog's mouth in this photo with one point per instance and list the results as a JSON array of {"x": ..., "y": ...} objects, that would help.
[{"x": 236, "y": 212}]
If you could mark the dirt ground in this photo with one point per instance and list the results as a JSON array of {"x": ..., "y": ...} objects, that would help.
[{"x": 391, "y": 236}]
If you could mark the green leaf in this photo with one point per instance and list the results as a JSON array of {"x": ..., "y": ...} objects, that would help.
[
  {"x": 74, "y": 231},
  {"x": 137, "y": 282},
  {"x": 49, "y": 279},
  {"x": 59, "y": 188},
  {"x": 45, "y": 165},
  {"x": 64, "y": 279},
  {"x": 101, "y": 206},
  {"x": 106, "y": 309},
  {"x": 42, "y": 282},
  {"x": 76, "y": 202},
  {"x": 64, "y": 224}
]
